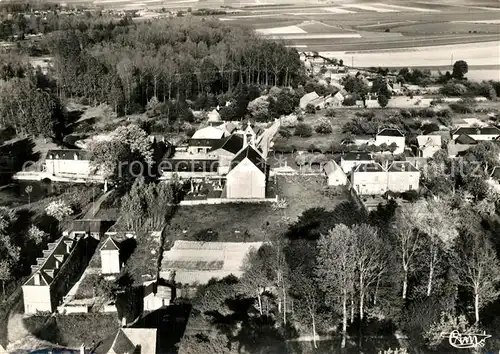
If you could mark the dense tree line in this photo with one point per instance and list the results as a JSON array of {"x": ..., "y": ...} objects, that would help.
[{"x": 167, "y": 59}]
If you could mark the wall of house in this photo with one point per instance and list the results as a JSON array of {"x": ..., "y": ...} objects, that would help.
[
  {"x": 337, "y": 179},
  {"x": 199, "y": 149},
  {"x": 246, "y": 181},
  {"x": 225, "y": 158},
  {"x": 152, "y": 302},
  {"x": 36, "y": 298},
  {"x": 68, "y": 167},
  {"x": 110, "y": 261},
  {"x": 399, "y": 140},
  {"x": 429, "y": 151},
  {"x": 399, "y": 182},
  {"x": 369, "y": 182},
  {"x": 348, "y": 165}
]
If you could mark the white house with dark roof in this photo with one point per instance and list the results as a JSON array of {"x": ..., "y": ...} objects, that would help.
[
  {"x": 110, "y": 257},
  {"x": 460, "y": 144},
  {"x": 42, "y": 289},
  {"x": 68, "y": 163},
  {"x": 402, "y": 176},
  {"x": 374, "y": 179},
  {"x": 428, "y": 145},
  {"x": 247, "y": 176},
  {"x": 391, "y": 136},
  {"x": 157, "y": 294},
  {"x": 351, "y": 159},
  {"x": 226, "y": 149},
  {"x": 478, "y": 133},
  {"x": 334, "y": 174},
  {"x": 307, "y": 98}
]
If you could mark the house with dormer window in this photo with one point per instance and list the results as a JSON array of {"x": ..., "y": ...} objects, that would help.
[{"x": 478, "y": 133}]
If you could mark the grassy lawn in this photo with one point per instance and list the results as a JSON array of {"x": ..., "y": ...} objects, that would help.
[
  {"x": 305, "y": 192},
  {"x": 72, "y": 330},
  {"x": 143, "y": 260}
]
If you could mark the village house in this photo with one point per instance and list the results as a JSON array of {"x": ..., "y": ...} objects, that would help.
[
  {"x": 157, "y": 294},
  {"x": 402, "y": 176},
  {"x": 478, "y": 133},
  {"x": 373, "y": 179},
  {"x": 428, "y": 145},
  {"x": 307, "y": 98},
  {"x": 390, "y": 136},
  {"x": 68, "y": 163},
  {"x": 214, "y": 118},
  {"x": 204, "y": 139},
  {"x": 133, "y": 341},
  {"x": 459, "y": 145},
  {"x": 47, "y": 284},
  {"x": 247, "y": 176},
  {"x": 351, "y": 159},
  {"x": 334, "y": 173}
]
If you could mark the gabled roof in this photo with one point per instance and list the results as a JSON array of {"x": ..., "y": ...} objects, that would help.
[
  {"x": 253, "y": 156},
  {"x": 232, "y": 144},
  {"x": 122, "y": 344},
  {"x": 402, "y": 166},
  {"x": 369, "y": 167},
  {"x": 208, "y": 133},
  {"x": 109, "y": 245},
  {"x": 357, "y": 156},
  {"x": 465, "y": 139},
  {"x": 429, "y": 140},
  {"x": 68, "y": 154},
  {"x": 331, "y": 167},
  {"x": 214, "y": 116},
  {"x": 490, "y": 130},
  {"x": 390, "y": 132}
]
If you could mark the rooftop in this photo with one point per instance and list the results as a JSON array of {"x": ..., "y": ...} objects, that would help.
[
  {"x": 208, "y": 133},
  {"x": 429, "y": 140},
  {"x": 465, "y": 139},
  {"x": 68, "y": 154},
  {"x": 251, "y": 154},
  {"x": 357, "y": 156},
  {"x": 490, "y": 130},
  {"x": 390, "y": 132},
  {"x": 369, "y": 167},
  {"x": 232, "y": 144},
  {"x": 331, "y": 166},
  {"x": 402, "y": 166},
  {"x": 53, "y": 258}
]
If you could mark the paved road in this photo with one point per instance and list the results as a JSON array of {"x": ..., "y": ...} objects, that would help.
[{"x": 267, "y": 136}]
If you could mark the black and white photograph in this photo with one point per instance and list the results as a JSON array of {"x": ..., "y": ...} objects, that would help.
[{"x": 249, "y": 177}]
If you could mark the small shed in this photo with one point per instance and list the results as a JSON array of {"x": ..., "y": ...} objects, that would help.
[
  {"x": 307, "y": 98},
  {"x": 110, "y": 257}
]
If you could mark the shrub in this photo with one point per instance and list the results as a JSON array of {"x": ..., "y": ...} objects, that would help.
[
  {"x": 284, "y": 132},
  {"x": 382, "y": 100},
  {"x": 427, "y": 113},
  {"x": 207, "y": 235},
  {"x": 330, "y": 112},
  {"x": 349, "y": 101},
  {"x": 303, "y": 130},
  {"x": 460, "y": 107},
  {"x": 310, "y": 109},
  {"x": 323, "y": 127},
  {"x": 289, "y": 121}
]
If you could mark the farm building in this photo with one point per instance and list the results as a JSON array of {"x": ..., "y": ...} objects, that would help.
[
  {"x": 391, "y": 136},
  {"x": 428, "y": 145},
  {"x": 307, "y": 98},
  {"x": 247, "y": 176},
  {"x": 194, "y": 263},
  {"x": 68, "y": 163},
  {"x": 478, "y": 133},
  {"x": 335, "y": 175},
  {"x": 350, "y": 160},
  {"x": 460, "y": 144}
]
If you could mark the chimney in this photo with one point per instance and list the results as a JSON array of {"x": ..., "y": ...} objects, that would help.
[
  {"x": 75, "y": 156},
  {"x": 36, "y": 278}
]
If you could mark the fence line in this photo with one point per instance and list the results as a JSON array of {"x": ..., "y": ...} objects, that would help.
[{"x": 227, "y": 201}]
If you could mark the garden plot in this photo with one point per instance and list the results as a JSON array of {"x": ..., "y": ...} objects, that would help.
[
  {"x": 447, "y": 28},
  {"x": 281, "y": 30},
  {"x": 370, "y": 8},
  {"x": 404, "y": 8},
  {"x": 337, "y": 10}
]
